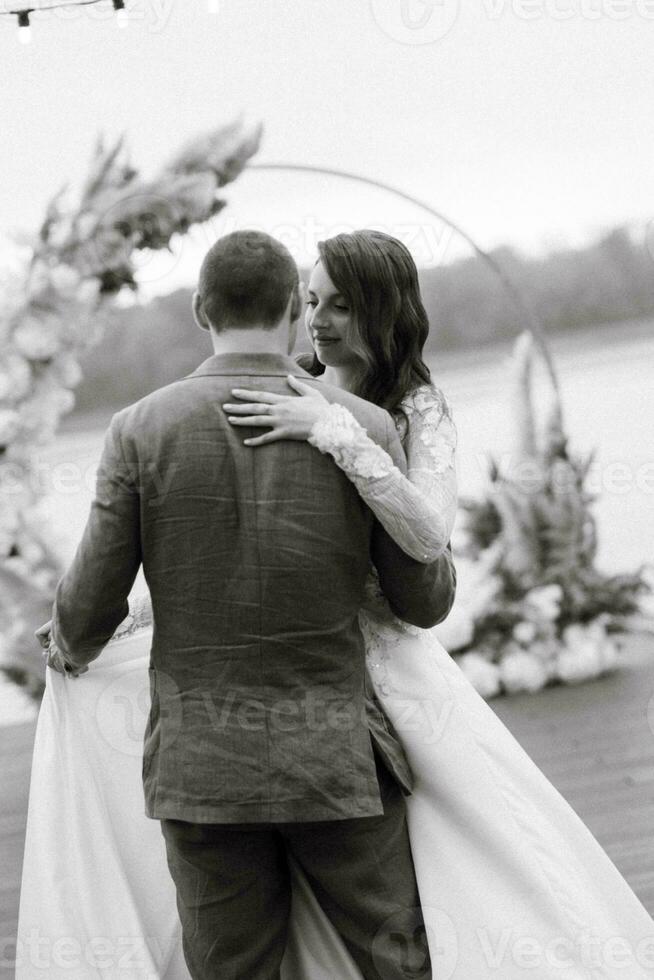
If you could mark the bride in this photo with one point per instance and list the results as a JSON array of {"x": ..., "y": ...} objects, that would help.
[{"x": 512, "y": 884}]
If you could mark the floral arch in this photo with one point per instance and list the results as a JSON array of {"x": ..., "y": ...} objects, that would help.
[{"x": 541, "y": 611}]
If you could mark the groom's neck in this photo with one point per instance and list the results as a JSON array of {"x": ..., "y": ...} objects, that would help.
[{"x": 252, "y": 340}]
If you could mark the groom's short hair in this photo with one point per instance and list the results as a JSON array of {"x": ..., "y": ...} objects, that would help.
[{"x": 247, "y": 278}]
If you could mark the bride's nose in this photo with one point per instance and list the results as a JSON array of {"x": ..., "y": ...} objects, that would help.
[{"x": 318, "y": 320}]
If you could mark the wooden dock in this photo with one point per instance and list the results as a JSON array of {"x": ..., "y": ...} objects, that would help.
[
  {"x": 595, "y": 742},
  {"x": 15, "y": 762}
]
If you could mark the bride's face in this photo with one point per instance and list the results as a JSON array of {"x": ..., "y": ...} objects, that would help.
[{"x": 328, "y": 320}]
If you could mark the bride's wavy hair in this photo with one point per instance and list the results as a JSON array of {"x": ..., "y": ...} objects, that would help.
[{"x": 376, "y": 275}]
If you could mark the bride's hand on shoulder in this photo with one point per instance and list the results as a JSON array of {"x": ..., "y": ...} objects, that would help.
[{"x": 285, "y": 416}]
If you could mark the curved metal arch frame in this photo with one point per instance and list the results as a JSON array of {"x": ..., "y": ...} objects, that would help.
[{"x": 534, "y": 325}]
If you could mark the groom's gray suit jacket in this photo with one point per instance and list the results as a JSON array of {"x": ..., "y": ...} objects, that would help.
[{"x": 256, "y": 561}]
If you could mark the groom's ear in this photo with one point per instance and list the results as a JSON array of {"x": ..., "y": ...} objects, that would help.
[
  {"x": 297, "y": 301},
  {"x": 199, "y": 315}
]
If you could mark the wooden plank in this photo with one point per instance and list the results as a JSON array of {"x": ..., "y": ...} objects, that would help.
[
  {"x": 16, "y": 744},
  {"x": 593, "y": 741}
]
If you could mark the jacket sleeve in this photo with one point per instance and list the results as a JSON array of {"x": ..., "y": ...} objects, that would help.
[
  {"x": 418, "y": 593},
  {"x": 91, "y": 598}
]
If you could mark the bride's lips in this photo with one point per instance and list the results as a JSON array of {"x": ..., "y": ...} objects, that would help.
[{"x": 325, "y": 341}]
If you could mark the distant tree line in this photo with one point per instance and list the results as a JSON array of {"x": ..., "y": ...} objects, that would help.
[{"x": 610, "y": 281}]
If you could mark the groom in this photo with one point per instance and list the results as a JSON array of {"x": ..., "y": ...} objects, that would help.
[{"x": 261, "y": 740}]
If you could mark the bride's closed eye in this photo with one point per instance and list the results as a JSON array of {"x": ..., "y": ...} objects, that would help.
[{"x": 337, "y": 306}]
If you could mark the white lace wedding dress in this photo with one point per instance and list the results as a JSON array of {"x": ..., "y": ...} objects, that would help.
[{"x": 512, "y": 883}]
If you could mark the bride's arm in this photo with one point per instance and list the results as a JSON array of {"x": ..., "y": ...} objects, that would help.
[{"x": 417, "y": 510}]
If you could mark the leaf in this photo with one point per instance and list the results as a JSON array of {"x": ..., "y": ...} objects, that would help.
[{"x": 102, "y": 164}]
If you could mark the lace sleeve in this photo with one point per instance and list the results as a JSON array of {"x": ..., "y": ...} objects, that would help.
[{"x": 417, "y": 510}]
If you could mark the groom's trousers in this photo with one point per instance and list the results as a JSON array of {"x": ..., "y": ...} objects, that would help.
[{"x": 234, "y": 891}]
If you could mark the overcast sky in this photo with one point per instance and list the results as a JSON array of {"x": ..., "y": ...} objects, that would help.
[{"x": 526, "y": 122}]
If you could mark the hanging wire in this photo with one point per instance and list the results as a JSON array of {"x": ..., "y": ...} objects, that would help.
[
  {"x": 53, "y": 6},
  {"x": 23, "y": 14}
]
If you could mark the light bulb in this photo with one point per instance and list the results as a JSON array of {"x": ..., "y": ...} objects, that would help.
[
  {"x": 24, "y": 29},
  {"x": 122, "y": 17}
]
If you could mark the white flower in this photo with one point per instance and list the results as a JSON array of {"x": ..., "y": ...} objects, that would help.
[
  {"x": 59, "y": 233},
  {"x": 477, "y": 586},
  {"x": 88, "y": 291},
  {"x": 15, "y": 377},
  {"x": 9, "y": 520},
  {"x": 14, "y": 263},
  {"x": 37, "y": 339},
  {"x": 525, "y": 632},
  {"x": 65, "y": 279},
  {"x": 457, "y": 630},
  {"x": 9, "y": 525},
  {"x": 9, "y": 425},
  {"x": 194, "y": 195},
  {"x": 86, "y": 225},
  {"x": 67, "y": 370},
  {"x": 63, "y": 401},
  {"x": 520, "y": 671},
  {"x": 610, "y": 653},
  {"x": 546, "y": 601},
  {"x": 576, "y": 665},
  {"x": 546, "y": 650},
  {"x": 31, "y": 551},
  {"x": 39, "y": 278},
  {"x": 482, "y": 674},
  {"x": 6, "y": 544},
  {"x": 587, "y": 651}
]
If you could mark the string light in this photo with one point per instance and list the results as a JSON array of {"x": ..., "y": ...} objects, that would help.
[
  {"x": 24, "y": 29},
  {"x": 122, "y": 17}
]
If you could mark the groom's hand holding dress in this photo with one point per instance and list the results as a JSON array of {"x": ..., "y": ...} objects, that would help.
[{"x": 54, "y": 658}]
